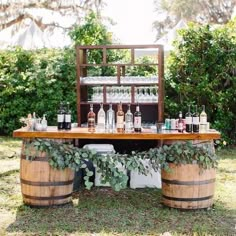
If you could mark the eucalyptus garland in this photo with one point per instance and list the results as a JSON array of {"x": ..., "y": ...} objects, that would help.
[{"x": 112, "y": 165}]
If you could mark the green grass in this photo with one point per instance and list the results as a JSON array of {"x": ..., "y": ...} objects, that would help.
[{"x": 105, "y": 212}]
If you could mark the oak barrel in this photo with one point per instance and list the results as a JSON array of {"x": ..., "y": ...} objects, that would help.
[
  {"x": 41, "y": 185},
  {"x": 188, "y": 187}
]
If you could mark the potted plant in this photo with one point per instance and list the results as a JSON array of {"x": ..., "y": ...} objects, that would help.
[{"x": 187, "y": 172}]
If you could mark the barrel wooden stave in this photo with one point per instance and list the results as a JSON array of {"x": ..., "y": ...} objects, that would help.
[
  {"x": 188, "y": 187},
  {"x": 41, "y": 185}
]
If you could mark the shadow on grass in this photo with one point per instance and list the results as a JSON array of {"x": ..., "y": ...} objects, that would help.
[{"x": 129, "y": 212}]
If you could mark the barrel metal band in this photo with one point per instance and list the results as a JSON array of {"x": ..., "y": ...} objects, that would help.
[
  {"x": 47, "y": 198},
  {"x": 167, "y": 181},
  {"x": 187, "y": 199},
  {"x": 35, "y": 158},
  {"x": 59, "y": 183}
]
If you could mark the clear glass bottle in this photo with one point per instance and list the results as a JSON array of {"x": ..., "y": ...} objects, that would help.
[
  {"x": 68, "y": 117},
  {"x": 128, "y": 120},
  {"x": 203, "y": 120},
  {"x": 180, "y": 123},
  {"x": 137, "y": 120},
  {"x": 44, "y": 123},
  {"x": 189, "y": 121},
  {"x": 110, "y": 119},
  {"x": 120, "y": 119},
  {"x": 60, "y": 117},
  {"x": 101, "y": 120},
  {"x": 91, "y": 120},
  {"x": 196, "y": 121}
]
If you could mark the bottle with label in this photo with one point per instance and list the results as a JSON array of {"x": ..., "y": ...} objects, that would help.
[
  {"x": 180, "y": 123},
  {"x": 196, "y": 121},
  {"x": 120, "y": 119},
  {"x": 91, "y": 120},
  {"x": 128, "y": 120},
  {"x": 189, "y": 121},
  {"x": 60, "y": 117},
  {"x": 203, "y": 120},
  {"x": 44, "y": 123},
  {"x": 110, "y": 119},
  {"x": 137, "y": 120},
  {"x": 101, "y": 120},
  {"x": 68, "y": 117}
]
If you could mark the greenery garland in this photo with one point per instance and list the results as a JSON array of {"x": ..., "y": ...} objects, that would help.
[{"x": 112, "y": 165}]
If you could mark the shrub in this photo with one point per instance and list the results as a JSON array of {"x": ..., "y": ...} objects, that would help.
[{"x": 201, "y": 70}]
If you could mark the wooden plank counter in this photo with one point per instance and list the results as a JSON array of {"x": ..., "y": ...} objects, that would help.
[{"x": 82, "y": 133}]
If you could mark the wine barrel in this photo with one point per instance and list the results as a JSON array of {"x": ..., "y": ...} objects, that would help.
[
  {"x": 43, "y": 186},
  {"x": 188, "y": 187}
]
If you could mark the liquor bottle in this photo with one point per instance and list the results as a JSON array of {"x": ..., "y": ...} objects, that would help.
[
  {"x": 101, "y": 119},
  {"x": 60, "y": 117},
  {"x": 44, "y": 123},
  {"x": 128, "y": 120},
  {"x": 203, "y": 121},
  {"x": 68, "y": 117},
  {"x": 120, "y": 119},
  {"x": 137, "y": 120},
  {"x": 34, "y": 121},
  {"x": 110, "y": 119},
  {"x": 180, "y": 123},
  {"x": 91, "y": 120},
  {"x": 189, "y": 121},
  {"x": 196, "y": 121}
]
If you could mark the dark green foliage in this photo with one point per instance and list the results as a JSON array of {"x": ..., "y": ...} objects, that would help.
[
  {"x": 35, "y": 81},
  {"x": 201, "y": 70}
]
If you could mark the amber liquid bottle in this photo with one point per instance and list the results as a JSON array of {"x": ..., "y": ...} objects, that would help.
[
  {"x": 120, "y": 119},
  {"x": 91, "y": 120}
]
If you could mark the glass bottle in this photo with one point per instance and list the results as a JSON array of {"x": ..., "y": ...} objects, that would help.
[
  {"x": 203, "y": 120},
  {"x": 110, "y": 119},
  {"x": 101, "y": 119},
  {"x": 68, "y": 117},
  {"x": 120, "y": 119},
  {"x": 196, "y": 121},
  {"x": 137, "y": 120},
  {"x": 128, "y": 120},
  {"x": 60, "y": 117},
  {"x": 44, "y": 123},
  {"x": 189, "y": 121},
  {"x": 180, "y": 123},
  {"x": 91, "y": 120}
]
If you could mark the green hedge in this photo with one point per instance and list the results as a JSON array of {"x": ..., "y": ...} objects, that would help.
[
  {"x": 35, "y": 81},
  {"x": 201, "y": 70}
]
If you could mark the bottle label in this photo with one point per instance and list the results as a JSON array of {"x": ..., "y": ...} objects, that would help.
[
  {"x": 68, "y": 118},
  {"x": 101, "y": 120},
  {"x": 203, "y": 120},
  {"x": 137, "y": 122},
  {"x": 60, "y": 118},
  {"x": 180, "y": 126},
  {"x": 188, "y": 120},
  {"x": 196, "y": 120},
  {"x": 120, "y": 122}
]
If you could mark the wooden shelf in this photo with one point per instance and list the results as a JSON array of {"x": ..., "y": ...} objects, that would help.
[{"x": 82, "y": 133}]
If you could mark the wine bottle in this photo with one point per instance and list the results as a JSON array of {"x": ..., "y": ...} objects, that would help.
[
  {"x": 110, "y": 119},
  {"x": 196, "y": 121},
  {"x": 137, "y": 120},
  {"x": 120, "y": 119},
  {"x": 128, "y": 120},
  {"x": 180, "y": 123},
  {"x": 189, "y": 121},
  {"x": 203, "y": 120},
  {"x": 60, "y": 117},
  {"x": 91, "y": 120},
  {"x": 68, "y": 117},
  {"x": 101, "y": 119}
]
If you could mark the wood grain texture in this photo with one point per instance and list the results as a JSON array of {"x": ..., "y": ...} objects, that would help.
[
  {"x": 188, "y": 187},
  {"x": 82, "y": 133}
]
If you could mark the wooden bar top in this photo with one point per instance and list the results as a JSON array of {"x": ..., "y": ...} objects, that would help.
[{"x": 82, "y": 133}]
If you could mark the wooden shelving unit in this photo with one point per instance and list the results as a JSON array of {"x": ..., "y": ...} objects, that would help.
[{"x": 152, "y": 111}]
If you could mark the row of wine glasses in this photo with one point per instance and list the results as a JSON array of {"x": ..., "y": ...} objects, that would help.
[
  {"x": 123, "y": 80},
  {"x": 115, "y": 94}
]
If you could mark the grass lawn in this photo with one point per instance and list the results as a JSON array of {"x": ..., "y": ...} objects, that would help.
[{"x": 102, "y": 211}]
